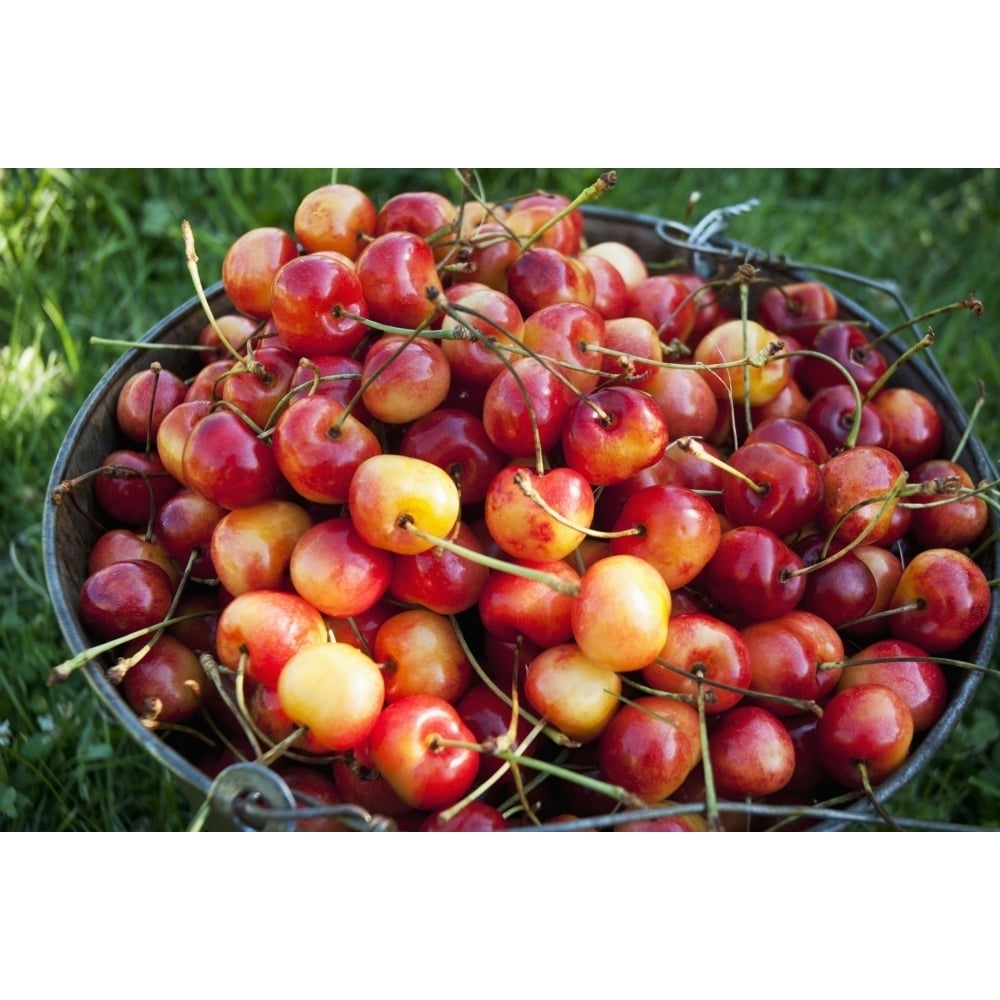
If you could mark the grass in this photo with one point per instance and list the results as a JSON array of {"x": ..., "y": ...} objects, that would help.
[{"x": 88, "y": 253}]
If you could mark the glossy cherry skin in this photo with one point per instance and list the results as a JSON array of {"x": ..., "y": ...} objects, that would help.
[
  {"x": 787, "y": 487},
  {"x": 133, "y": 485},
  {"x": 403, "y": 748},
  {"x": 840, "y": 590},
  {"x": 124, "y": 597},
  {"x": 663, "y": 300},
  {"x": 946, "y": 519},
  {"x": 145, "y": 399},
  {"x": 752, "y": 574},
  {"x": 613, "y": 433},
  {"x": 796, "y": 435},
  {"x": 335, "y": 217},
  {"x": 318, "y": 446},
  {"x": 399, "y": 279},
  {"x": 650, "y": 747},
  {"x": 867, "y": 724},
  {"x": 227, "y": 462},
  {"x": 832, "y": 412},
  {"x": 680, "y": 531},
  {"x": 786, "y": 658},
  {"x": 850, "y": 478},
  {"x": 752, "y": 753},
  {"x": 915, "y": 425},
  {"x": 529, "y": 388},
  {"x": 801, "y": 307},
  {"x": 318, "y": 305},
  {"x": 542, "y": 276},
  {"x": 701, "y": 642},
  {"x": 952, "y": 598},
  {"x": 249, "y": 267},
  {"x": 848, "y": 345},
  {"x": 906, "y": 669}
]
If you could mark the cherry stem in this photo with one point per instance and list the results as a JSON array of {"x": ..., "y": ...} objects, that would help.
[
  {"x": 970, "y": 302},
  {"x": 799, "y": 703},
  {"x": 693, "y": 446},
  {"x": 523, "y": 483},
  {"x": 926, "y": 341},
  {"x": 142, "y": 345},
  {"x": 504, "y": 742},
  {"x": 600, "y": 187},
  {"x": 973, "y": 417},
  {"x": 712, "y": 817},
  {"x": 569, "y": 587},
  {"x": 870, "y": 795},
  {"x": 615, "y": 792},
  {"x": 61, "y": 671},
  {"x": 945, "y": 661},
  {"x": 192, "y": 265}
]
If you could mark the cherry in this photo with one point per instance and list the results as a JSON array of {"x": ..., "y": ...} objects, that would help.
[
  {"x": 427, "y": 214},
  {"x": 775, "y": 487},
  {"x": 333, "y": 568},
  {"x": 318, "y": 445},
  {"x": 662, "y": 300},
  {"x": 250, "y": 265},
  {"x": 319, "y": 305},
  {"x": 125, "y": 597},
  {"x": 335, "y": 217},
  {"x": 145, "y": 399},
  {"x": 613, "y": 433},
  {"x": 333, "y": 689},
  {"x": 620, "y": 617},
  {"x": 538, "y": 517},
  {"x": 941, "y": 600},
  {"x": 733, "y": 345},
  {"x": 846, "y": 344},
  {"x": 227, "y": 462},
  {"x": 861, "y": 493},
  {"x": 543, "y": 276},
  {"x": 440, "y": 579},
  {"x": 752, "y": 574},
  {"x": 511, "y": 606},
  {"x": 866, "y": 725},
  {"x": 650, "y": 746},
  {"x": 397, "y": 270},
  {"x": 404, "y": 378},
  {"x": 751, "y": 753},
  {"x": 563, "y": 333},
  {"x": 950, "y": 519},
  {"x": 679, "y": 534},
  {"x": 526, "y": 399},
  {"x": 572, "y": 692},
  {"x": 132, "y": 485},
  {"x": 167, "y": 685},
  {"x": 915, "y": 425},
  {"x": 418, "y": 652},
  {"x": 701, "y": 644},
  {"x": 267, "y": 626},
  {"x": 800, "y": 307},
  {"x": 408, "y": 747}
]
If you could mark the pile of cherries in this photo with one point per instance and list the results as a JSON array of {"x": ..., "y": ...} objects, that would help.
[{"x": 472, "y": 524}]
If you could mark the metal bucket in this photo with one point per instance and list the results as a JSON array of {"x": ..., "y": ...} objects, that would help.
[{"x": 68, "y": 537}]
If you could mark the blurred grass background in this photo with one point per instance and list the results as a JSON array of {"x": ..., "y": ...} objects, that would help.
[{"x": 98, "y": 253}]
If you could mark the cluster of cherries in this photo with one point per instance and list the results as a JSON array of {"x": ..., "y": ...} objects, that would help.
[{"x": 471, "y": 524}]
